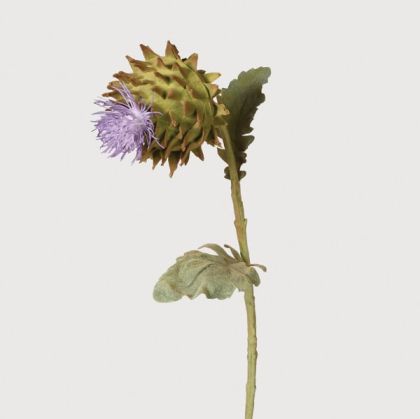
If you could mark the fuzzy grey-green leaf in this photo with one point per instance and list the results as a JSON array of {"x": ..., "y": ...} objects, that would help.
[
  {"x": 216, "y": 248},
  {"x": 235, "y": 253},
  {"x": 196, "y": 272}
]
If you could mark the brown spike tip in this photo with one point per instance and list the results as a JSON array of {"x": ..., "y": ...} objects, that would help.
[
  {"x": 171, "y": 50},
  {"x": 192, "y": 61},
  {"x": 148, "y": 52}
]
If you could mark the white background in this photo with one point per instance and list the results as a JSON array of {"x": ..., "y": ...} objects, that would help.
[{"x": 332, "y": 197}]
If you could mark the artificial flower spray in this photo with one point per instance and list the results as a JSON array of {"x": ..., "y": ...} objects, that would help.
[{"x": 164, "y": 110}]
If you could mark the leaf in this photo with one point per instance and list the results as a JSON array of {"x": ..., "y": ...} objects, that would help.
[
  {"x": 258, "y": 265},
  {"x": 234, "y": 252},
  {"x": 242, "y": 97},
  {"x": 216, "y": 249},
  {"x": 196, "y": 272}
]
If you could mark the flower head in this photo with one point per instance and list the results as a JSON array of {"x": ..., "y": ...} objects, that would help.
[
  {"x": 125, "y": 127},
  {"x": 190, "y": 115}
]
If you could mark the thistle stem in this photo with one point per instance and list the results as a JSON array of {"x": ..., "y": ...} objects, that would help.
[{"x": 240, "y": 226}]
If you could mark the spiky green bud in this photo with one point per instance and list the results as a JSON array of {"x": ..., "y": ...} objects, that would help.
[{"x": 184, "y": 97}]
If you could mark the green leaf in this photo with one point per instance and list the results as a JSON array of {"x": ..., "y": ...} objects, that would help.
[
  {"x": 196, "y": 272},
  {"x": 216, "y": 249},
  {"x": 242, "y": 97},
  {"x": 234, "y": 252}
]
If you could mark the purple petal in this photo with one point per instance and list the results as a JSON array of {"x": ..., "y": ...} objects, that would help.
[{"x": 126, "y": 127}]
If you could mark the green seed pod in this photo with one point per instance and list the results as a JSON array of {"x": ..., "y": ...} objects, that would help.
[{"x": 183, "y": 96}]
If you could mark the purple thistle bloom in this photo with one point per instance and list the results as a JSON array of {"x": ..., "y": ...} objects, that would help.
[{"x": 125, "y": 127}]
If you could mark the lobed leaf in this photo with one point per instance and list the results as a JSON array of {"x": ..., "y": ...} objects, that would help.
[
  {"x": 196, "y": 272},
  {"x": 242, "y": 98}
]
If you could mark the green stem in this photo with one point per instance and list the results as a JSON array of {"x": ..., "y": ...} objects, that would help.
[{"x": 240, "y": 226}]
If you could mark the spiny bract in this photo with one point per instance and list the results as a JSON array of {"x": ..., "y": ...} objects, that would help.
[{"x": 184, "y": 98}]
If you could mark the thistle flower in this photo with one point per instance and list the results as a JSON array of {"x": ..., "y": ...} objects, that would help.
[
  {"x": 185, "y": 97},
  {"x": 125, "y": 127}
]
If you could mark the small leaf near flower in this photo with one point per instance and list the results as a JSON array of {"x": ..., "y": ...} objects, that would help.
[
  {"x": 196, "y": 272},
  {"x": 242, "y": 98}
]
